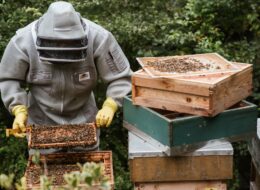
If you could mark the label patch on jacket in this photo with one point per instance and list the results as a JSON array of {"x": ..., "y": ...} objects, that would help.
[{"x": 84, "y": 76}]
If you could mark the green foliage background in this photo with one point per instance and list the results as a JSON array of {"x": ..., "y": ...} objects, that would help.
[{"x": 147, "y": 28}]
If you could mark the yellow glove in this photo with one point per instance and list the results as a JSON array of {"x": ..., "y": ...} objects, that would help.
[
  {"x": 21, "y": 114},
  {"x": 105, "y": 116}
]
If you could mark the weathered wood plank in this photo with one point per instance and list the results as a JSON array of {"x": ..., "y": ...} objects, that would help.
[
  {"x": 142, "y": 79},
  {"x": 231, "y": 90},
  {"x": 207, "y": 185},
  {"x": 166, "y": 105},
  {"x": 180, "y": 98},
  {"x": 158, "y": 169}
]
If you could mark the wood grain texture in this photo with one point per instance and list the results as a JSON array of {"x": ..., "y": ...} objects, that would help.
[
  {"x": 165, "y": 169},
  {"x": 164, "y": 104},
  {"x": 142, "y": 79},
  {"x": 171, "y": 96},
  {"x": 231, "y": 90},
  {"x": 205, "y": 94},
  {"x": 209, "y": 185}
]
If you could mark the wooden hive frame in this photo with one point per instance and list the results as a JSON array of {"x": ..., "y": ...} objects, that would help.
[
  {"x": 71, "y": 159},
  {"x": 203, "y": 94},
  {"x": 56, "y": 131},
  {"x": 210, "y": 58}
]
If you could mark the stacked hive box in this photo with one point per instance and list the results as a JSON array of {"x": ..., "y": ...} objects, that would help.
[
  {"x": 204, "y": 168},
  {"x": 175, "y": 133},
  {"x": 168, "y": 112},
  {"x": 254, "y": 148}
]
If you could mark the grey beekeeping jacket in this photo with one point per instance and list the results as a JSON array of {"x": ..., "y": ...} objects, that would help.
[{"x": 62, "y": 93}]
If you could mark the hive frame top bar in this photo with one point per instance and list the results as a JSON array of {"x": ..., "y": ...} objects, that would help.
[{"x": 141, "y": 148}]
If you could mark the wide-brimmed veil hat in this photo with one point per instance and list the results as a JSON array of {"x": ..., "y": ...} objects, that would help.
[
  {"x": 61, "y": 21},
  {"x": 61, "y": 29}
]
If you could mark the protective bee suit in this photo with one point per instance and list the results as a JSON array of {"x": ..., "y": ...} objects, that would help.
[{"x": 60, "y": 56}]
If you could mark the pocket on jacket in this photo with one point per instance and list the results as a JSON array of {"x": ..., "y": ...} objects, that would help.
[
  {"x": 41, "y": 77},
  {"x": 41, "y": 80},
  {"x": 116, "y": 61}
]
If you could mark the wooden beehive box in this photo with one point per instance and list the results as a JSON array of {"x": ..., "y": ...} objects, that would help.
[
  {"x": 204, "y": 185},
  {"x": 214, "y": 161},
  {"x": 205, "y": 93},
  {"x": 56, "y": 165},
  {"x": 176, "y": 133},
  {"x": 72, "y": 135}
]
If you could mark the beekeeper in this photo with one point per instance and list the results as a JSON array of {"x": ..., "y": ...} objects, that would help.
[{"x": 59, "y": 58}]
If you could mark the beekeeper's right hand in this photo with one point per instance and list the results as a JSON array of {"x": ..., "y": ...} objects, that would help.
[{"x": 21, "y": 114}]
